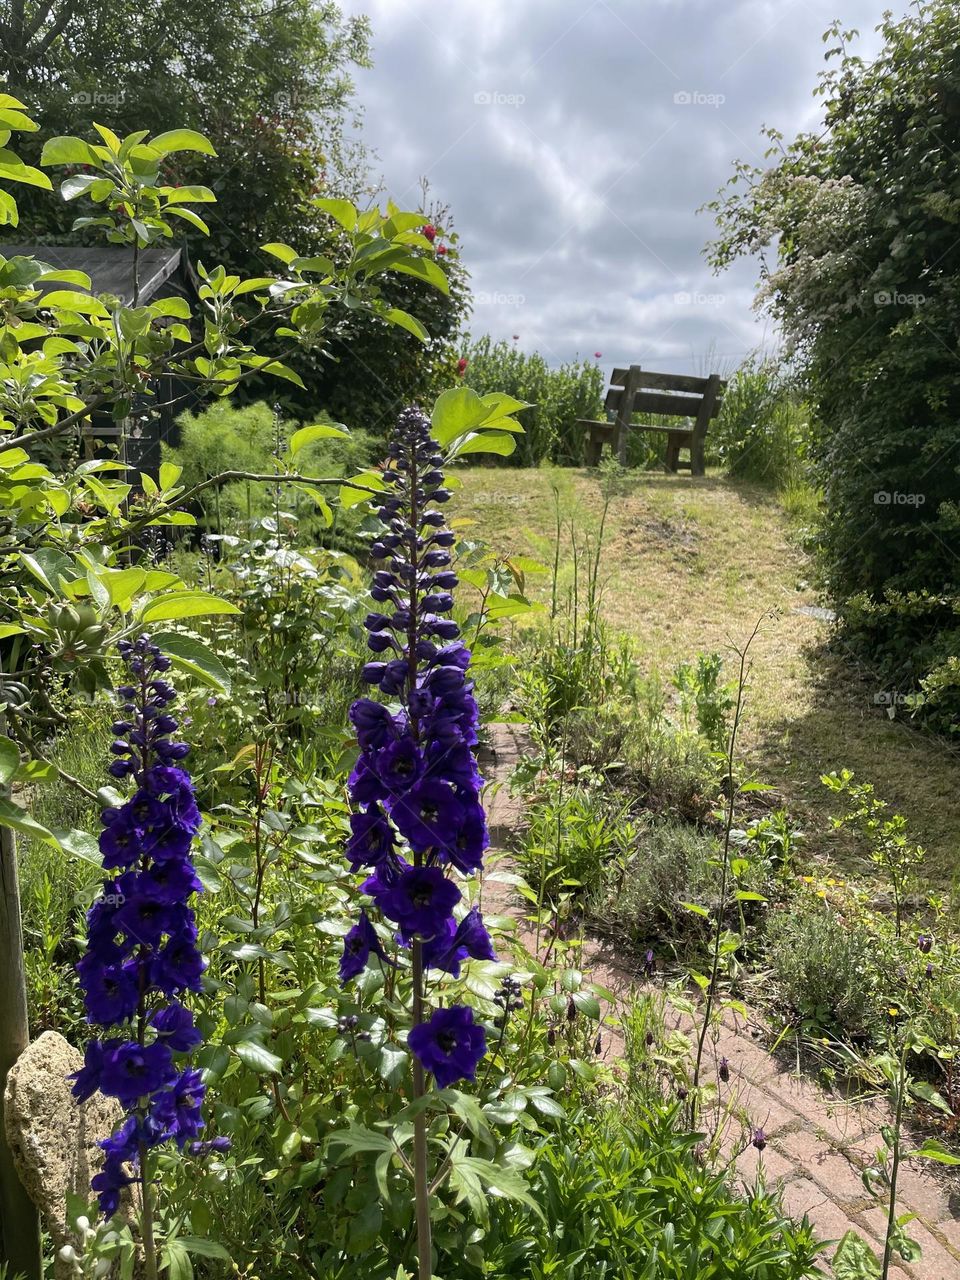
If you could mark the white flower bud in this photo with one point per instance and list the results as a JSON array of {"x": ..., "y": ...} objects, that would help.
[
  {"x": 83, "y": 1224},
  {"x": 67, "y": 1254}
]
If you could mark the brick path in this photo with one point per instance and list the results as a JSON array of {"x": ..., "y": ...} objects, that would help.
[{"x": 816, "y": 1144}]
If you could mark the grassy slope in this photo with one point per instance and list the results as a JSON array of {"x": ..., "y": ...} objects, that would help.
[{"x": 689, "y": 565}]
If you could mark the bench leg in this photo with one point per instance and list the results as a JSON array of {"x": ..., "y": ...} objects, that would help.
[
  {"x": 698, "y": 456},
  {"x": 673, "y": 451}
]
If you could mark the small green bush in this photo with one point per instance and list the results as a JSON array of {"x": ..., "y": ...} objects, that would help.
[
  {"x": 621, "y": 1198},
  {"x": 576, "y": 839},
  {"x": 670, "y": 862},
  {"x": 763, "y": 429},
  {"x": 227, "y": 437},
  {"x": 824, "y": 968}
]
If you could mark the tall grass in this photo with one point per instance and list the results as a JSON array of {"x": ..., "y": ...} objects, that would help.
[{"x": 763, "y": 429}]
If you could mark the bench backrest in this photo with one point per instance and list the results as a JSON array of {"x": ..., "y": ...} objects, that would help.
[{"x": 674, "y": 394}]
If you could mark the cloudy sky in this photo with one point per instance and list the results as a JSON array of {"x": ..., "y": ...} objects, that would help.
[{"x": 574, "y": 141}]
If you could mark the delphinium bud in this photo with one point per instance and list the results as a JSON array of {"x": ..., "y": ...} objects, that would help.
[
  {"x": 417, "y": 825},
  {"x": 142, "y": 955}
]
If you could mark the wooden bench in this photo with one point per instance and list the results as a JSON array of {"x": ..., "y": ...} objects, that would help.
[{"x": 637, "y": 390}]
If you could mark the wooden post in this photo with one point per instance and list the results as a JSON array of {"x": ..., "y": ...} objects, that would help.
[
  {"x": 19, "y": 1220},
  {"x": 704, "y": 414},
  {"x": 631, "y": 385}
]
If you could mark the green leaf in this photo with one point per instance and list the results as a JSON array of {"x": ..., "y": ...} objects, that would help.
[
  {"x": 9, "y": 760},
  {"x": 13, "y": 816},
  {"x": 181, "y": 140},
  {"x": 357, "y": 1138},
  {"x": 424, "y": 269},
  {"x": 68, "y": 150},
  {"x": 934, "y": 1150},
  {"x": 404, "y": 320},
  {"x": 176, "y": 1261},
  {"x": 320, "y": 431},
  {"x": 195, "y": 658},
  {"x": 350, "y": 497},
  {"x": 204, "y": 1248},
  {"x": 746, "y": 895},
  {"x": 456, "y": 412},
  {"x": 79, "y": 844},
  {"x": 696, "y": 909},
  {"x": 11, "y": 629},
  {"x": 340, "y": 210},
  {"x": 507, "y": 1183},
  {"x": 13, "y": 169},
  {"x": 183, "y": 195},
  {"x": 393, "y": 1065},
  {"x": 187, "y": 215},
  {"x": 185, "y": 604},
  {"x": 258, "y": 1058},
  {"x": 487, "y": 442},
  {"x": 921, "y": 1089},
  {"x": 71, "y": 300},
  {"x": 281, "y": 251},
  {"x": 122, "y": 584}
]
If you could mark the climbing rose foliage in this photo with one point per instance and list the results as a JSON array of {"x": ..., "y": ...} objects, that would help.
[
  {"x": 418, "y": 825},
  {"x": 142, "y": 955}
]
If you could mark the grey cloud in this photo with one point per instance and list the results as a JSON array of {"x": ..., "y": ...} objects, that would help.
[{"x": 574, "y": 142}]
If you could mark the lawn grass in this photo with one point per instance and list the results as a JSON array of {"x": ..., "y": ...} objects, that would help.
[{"x": 689, "y": 565}]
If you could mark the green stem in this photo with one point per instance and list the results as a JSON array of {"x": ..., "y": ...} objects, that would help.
[
  {"x": 711, "y": 993},
  {"x": 150, "y": 1270},
  {"x": 895, "y": 1165},
  {"x": 421, "y": 1174}
]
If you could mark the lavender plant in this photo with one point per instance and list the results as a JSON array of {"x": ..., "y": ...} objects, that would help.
[{"x": 142, "y": 955}]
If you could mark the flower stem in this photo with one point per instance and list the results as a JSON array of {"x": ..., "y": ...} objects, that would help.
[
  {"x": 895, "y": 1163},
  {"x": 146, "y": 1216},
  {"x": 421, "y": 1177}
]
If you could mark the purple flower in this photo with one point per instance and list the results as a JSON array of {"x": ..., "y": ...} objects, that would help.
[
  {"x": 429, "y": 815},
  {"x": 420, "y": 900},
  {"x": 372, "y": 838},
  {"x": 415, "y": 788},
  {"x": 142, "y": 936},
  {"x": 131, "y": 1070},
  {"x": 178, "y": 1110},
  {"x": 398, "y": 765},
  {"x": 450, "y": 1045},
  {"x": 174, "y": 1025},
  {"x": 458, "y": 942},
  {"x": 357, "y": 946}
]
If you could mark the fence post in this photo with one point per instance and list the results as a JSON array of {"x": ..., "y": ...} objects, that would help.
[{"x": 19, "y": 1219}]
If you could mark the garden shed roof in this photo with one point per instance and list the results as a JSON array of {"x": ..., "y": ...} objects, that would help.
[{"x": 108, "y": 266}]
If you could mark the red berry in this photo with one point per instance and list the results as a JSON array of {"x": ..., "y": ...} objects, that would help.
[
  {"x": 441, "y": 249},
  {"x": 430, "y": 231}
]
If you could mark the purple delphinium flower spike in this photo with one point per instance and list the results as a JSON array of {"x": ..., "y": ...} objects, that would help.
[
  {"x": 418, "y": 822},
  {"x": 142, "y": 953}
]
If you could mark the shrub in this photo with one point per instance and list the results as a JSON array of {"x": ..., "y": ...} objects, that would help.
[
  {"x": 622, "y": 1196},
  {"x": 763, "y": 429},
  {"x": 576, "y": 839},
  {"x": 248, "y": 439},
  {"x": 669, "y": 863},
  {"x": 864, "y": 284},
  {"x": 558, "y": 397},
  {"x": 824, "y": 966}
]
